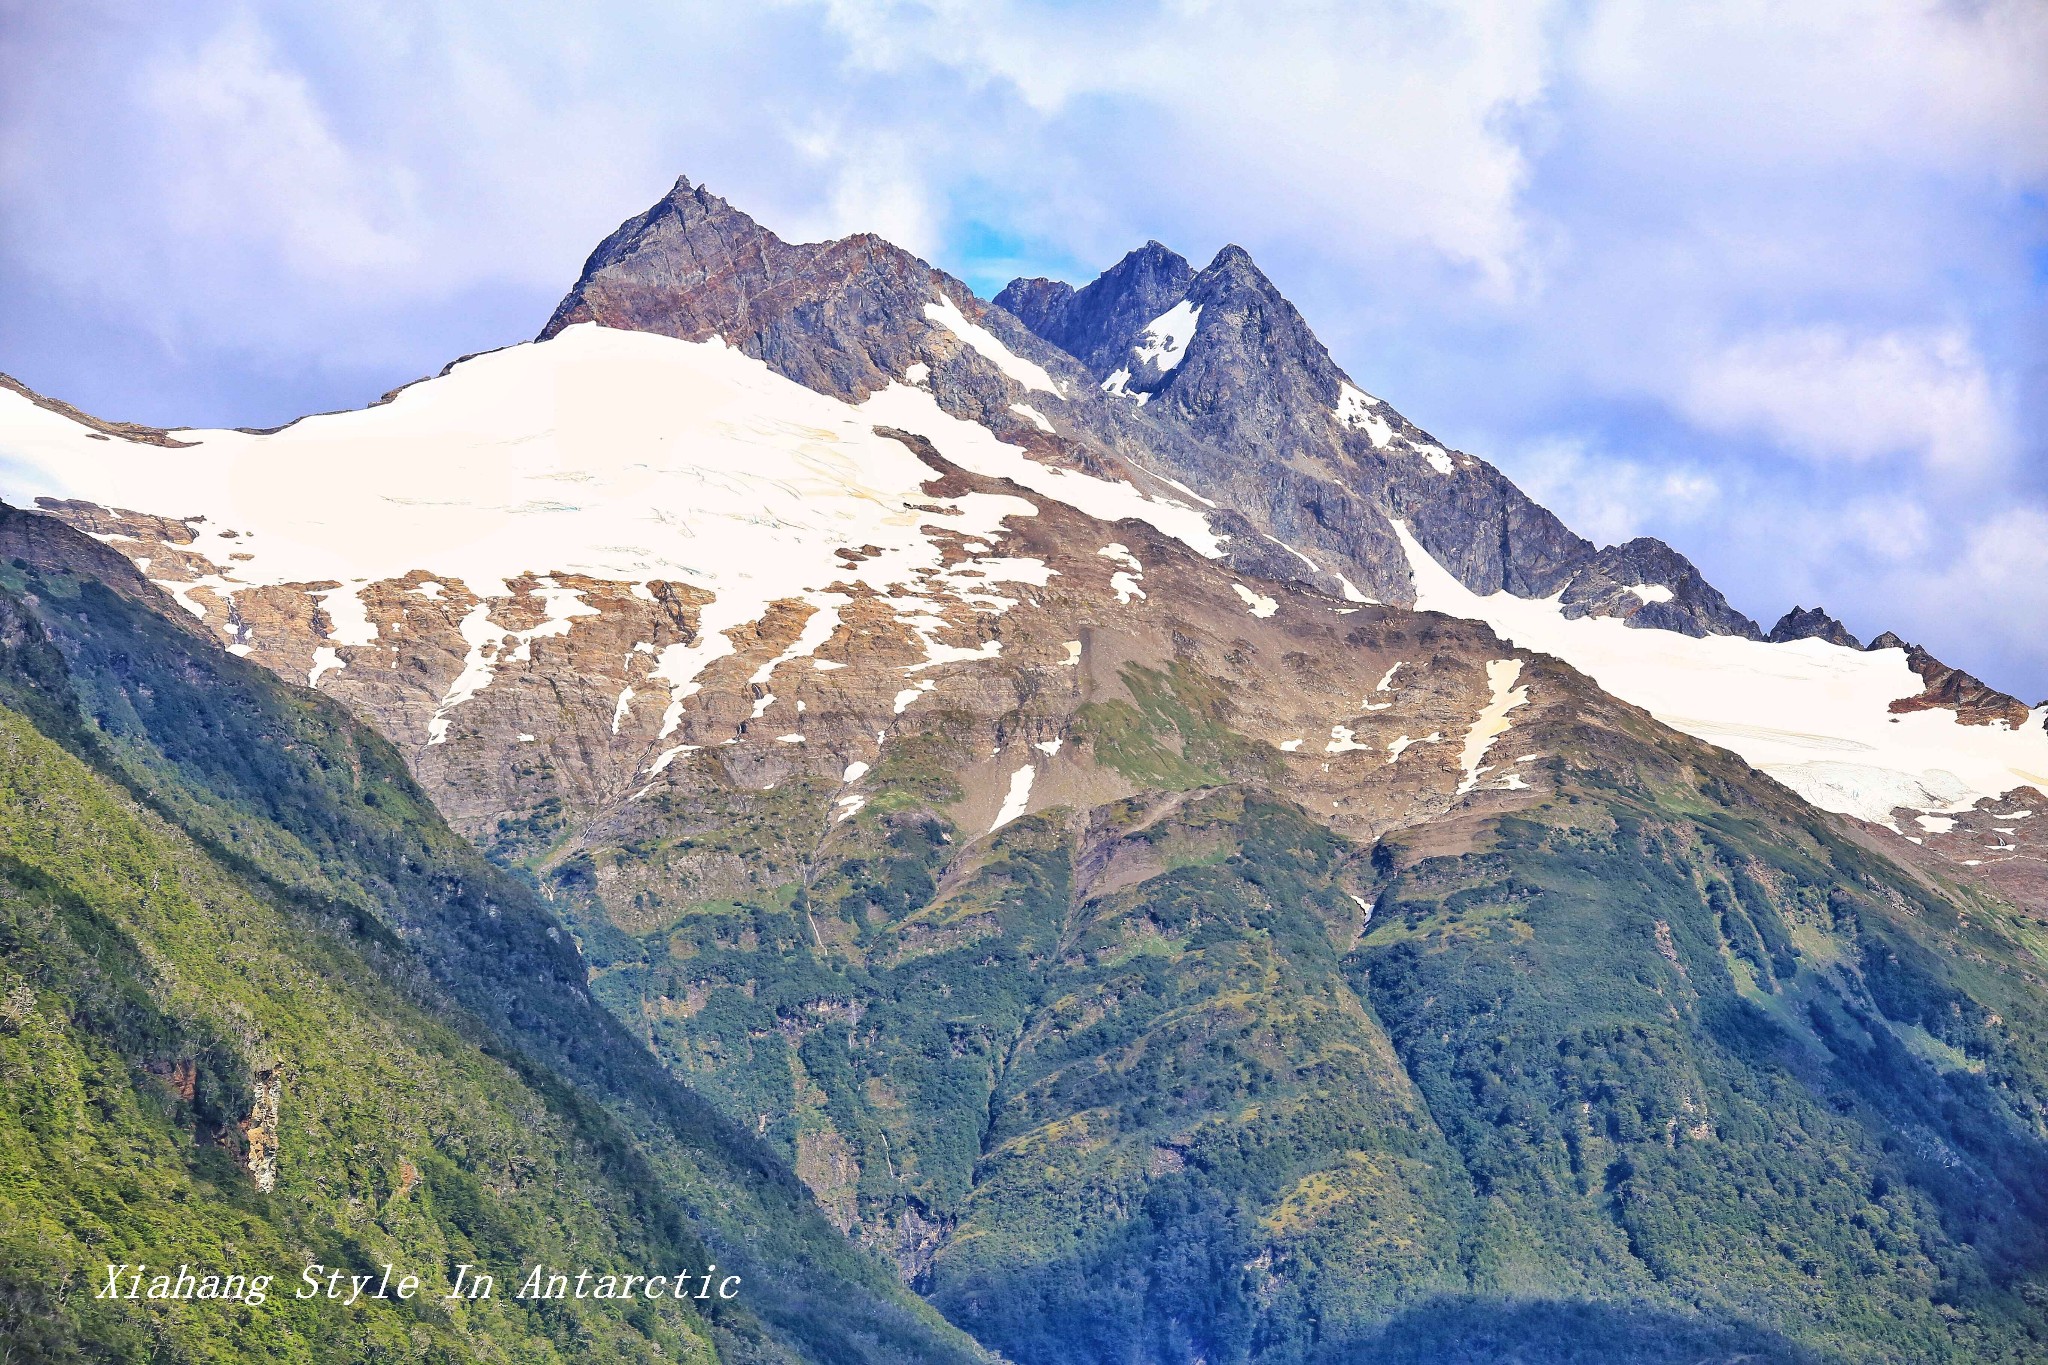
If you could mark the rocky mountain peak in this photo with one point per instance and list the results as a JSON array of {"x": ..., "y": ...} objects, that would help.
[
  {"x": 1974, "y": 701},
  {"x": 1803, "y": 623},
  {"x": 1233, "y": 263},
  {"x": 1253, "y": 325},
  {"x": 1647, "y": 583},
  {"x": 844, "y": 317},
  {"x": 1098, "y": 322}
]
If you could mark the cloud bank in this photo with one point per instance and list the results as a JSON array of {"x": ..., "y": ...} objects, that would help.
[{"x": 1765, "y": 281}]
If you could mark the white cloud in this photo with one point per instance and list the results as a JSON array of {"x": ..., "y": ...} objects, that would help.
[
  {"x": 1800, "y": 88},
  {"x": 257, "y": 163},
  {"x": 1610, "y": 498},
  {"x": 1965, "y": 605},
  {"x": 876, "y": 184},
  {"x": 1828, "y": 394},
  {"x": 1385, "y": 127}
]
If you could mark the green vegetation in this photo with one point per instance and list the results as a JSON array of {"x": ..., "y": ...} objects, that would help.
[
  {"x": 1663, "y": 1069},
  {"x": 214, "y": 889}
]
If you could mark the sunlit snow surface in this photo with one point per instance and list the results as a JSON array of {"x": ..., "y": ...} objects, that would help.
[
  {"x": 621, "y": 455},
  {"x": 1811, "y": 714},
  {"x": 1165, "y": 339},
  {"x": 947, "y": 314},
  {"x": 1355, "y": 409}
]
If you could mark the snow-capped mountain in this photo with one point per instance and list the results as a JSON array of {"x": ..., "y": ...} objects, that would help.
[
  {"x": 1081, "y": 778},
  {"x": 697, "y": 442}
]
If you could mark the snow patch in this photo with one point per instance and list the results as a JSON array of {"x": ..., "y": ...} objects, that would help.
[
  {"x": 479, "y": 666},
  {"x": 1439, "y": 458},
  {"x": 1124, "y": 581},
  {"x": 1493, "y": 719},
  {"x": 1165, "y": 339},
  {"x": 911, "y": 694},
  {"x": 1032, "y": 415},
  {"x": 1401, "y": 745},
  {"x": 1258, "y": 604},
  {"x": 855, "y": 771},
  {"x": 1650, "y": 592},
  {"x": 348, "y": 619},
  {"x": 1813, "y": 715},
  {"x": 668, "y": 756},
  {"x": 1019, "y": 797},
  {"x": 975, "y": 448},
  {"x": 1343, "y": 741},
  {"x": 1355, "y": 410},
  {"x": 818, "y": 628},
  {"x": 1116, "y": 386},
  {"x": 325, "y": 661},
  {"x": 947, "y": 314}
]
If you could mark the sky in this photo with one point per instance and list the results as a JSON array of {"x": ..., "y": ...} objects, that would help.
[{"x": 1769, "y": 282}]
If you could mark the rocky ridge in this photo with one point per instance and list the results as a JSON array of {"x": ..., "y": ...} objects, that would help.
[{"x": 1225, "y": 416}]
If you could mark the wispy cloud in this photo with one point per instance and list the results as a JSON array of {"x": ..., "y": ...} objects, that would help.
[{"x": 1820, "y": 392}]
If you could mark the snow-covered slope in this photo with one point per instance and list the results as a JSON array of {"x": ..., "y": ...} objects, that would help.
[
  {"x": 615, "y": 455},
  {"x": 1812, "y": 714}
]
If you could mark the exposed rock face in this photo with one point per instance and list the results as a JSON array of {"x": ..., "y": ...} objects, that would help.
[
  {"x": 1974, "y": 701},
  {"x": 1281, "y": 434},
  {"x": 1802, "y": 623},
  {"x": 842, "y": 317},
  {"x": 1096, "y": 323},
  {"x": 2001, "y": 843},
  {"x": 106, "y": 430},
  {"x": 1650, "y": 584},
  {"x": 259, "y": 1131}
]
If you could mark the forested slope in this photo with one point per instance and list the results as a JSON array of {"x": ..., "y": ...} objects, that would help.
[{"x": 259, "y": 1008}]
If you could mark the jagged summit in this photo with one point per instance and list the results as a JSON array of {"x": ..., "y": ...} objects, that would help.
[
  {"x": 1198, "y": 401},
  {"x": 1094, "y": 323},
  {"x": 836, "y": 316},
  {"x": 1802, "y": 623},
  {"x": 1650, "y": 584},
  {"x": 1974, "y": 701}
]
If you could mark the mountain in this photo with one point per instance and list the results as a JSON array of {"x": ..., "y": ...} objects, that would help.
[
  {"x": 260, "y": 1008},
  {"x": 1291, "y": 435},
  {"x": 1177, "y": 861},
  {"x": 1815, "y": 624}
]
